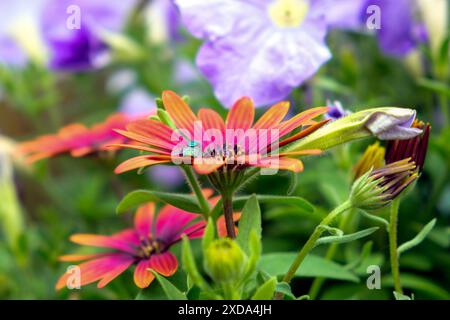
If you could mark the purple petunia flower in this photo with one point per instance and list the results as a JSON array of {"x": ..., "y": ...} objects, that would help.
[
  {"x": 261, "y": 48},
  {"x": 163, "y": 21},
  {"x": 400, "y": 32},
  {"x": 78, "y": 46},
  {"x": 336, "y": 110}
]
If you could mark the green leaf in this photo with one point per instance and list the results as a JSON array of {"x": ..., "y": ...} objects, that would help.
[
  {"x": 346, "y": 237},
  {"x": 240, "y": 201},
  {"x": 250, "y": 221},
  {"x": 172, "y": 292},
  {"x": 434, "y": 85},
  {"x": 254, "y": 254},
  {"x": 209, "y": 234},
  {"x": 138, "y": 197},
  {"x": 375, "y": 218},
  {"x": 418, "y": 238},
  {"x": 266, "y": 290},
  {"x": 293, "y": 183},
  {"x": 156, "y": 292},
  {"x": 414, "y": 282},
  {"x": 313, "y": 266},
  {"x": 365, "y": 253},
  {"x": 190, "y": 266},
  {"x": 285, "y": 289},
  {"x": 399, "y": 296},
  {"x": 298, "y": 202}
]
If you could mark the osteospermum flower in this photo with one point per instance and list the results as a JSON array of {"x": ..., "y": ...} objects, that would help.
[
  {"x": 76, "y": 139},
  {"x": 146, "y": 245},
  {"x": 262, "y": 49},
  {"x": 211, "y": 144}
]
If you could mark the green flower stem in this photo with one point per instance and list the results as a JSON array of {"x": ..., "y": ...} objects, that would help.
[
  {"x": 309, "y": 245},
  {"x": 195, "y": 186},
  {"x": 319, "y": 281},
  {"x": 227, "y": 202},
  {"x": 395, "y": 269}
]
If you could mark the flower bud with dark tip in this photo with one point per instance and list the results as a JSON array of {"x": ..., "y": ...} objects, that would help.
[{"x": 377, "y": 188}]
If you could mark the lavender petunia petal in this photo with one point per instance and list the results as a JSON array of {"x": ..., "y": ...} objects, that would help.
[
  {"x": 79, "y": 47},
  {"x": 397, "y": 35},
  {"x": 264, "y": 64}
]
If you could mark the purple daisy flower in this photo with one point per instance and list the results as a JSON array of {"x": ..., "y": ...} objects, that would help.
[
  {"x": 261, "y": 49},
  {"x": 80, "y": 47}
]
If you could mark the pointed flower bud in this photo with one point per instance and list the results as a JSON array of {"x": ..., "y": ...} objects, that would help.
[
  {"x": 387, "y": 123},
  {"x": 225, "y": 262},
  {"x": 376, "y": 188}
]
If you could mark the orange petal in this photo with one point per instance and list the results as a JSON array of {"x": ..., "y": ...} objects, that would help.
[
  {"x": 304, "y": 132},
  {"x": 143, "y": 219},
  {"x": 241, "y": 114},
  {"x": 165, "y": 263},
  {"x": 153, "y": 128},
  {"x": 138, "y": 162},
  {"x": 79, "y": 257},
  {"x": 114, "y": 272},
  {"x": 142, "y": 276},
  {"x": 273, "y": 116},
  {"x": 137, "y": 147},
  {"x": 96, "y": 269},
  {"x": 81, "y": 152},
  {"x": 290, "y": 164},
  {"x": 152, "y": 141},
  {"x": 300, "y": 119},
  {"x": 211, "y": 120},
  {"x": 206, "y": 166},
  {"x": 101, "y": 241},
  {"x": 179, "y": 111}
]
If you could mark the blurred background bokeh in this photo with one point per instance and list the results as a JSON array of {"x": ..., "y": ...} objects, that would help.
[{"x": 126, "y": 52}]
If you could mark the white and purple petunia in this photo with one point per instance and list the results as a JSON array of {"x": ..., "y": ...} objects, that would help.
[
  {"x": 262, "y": 48},
  {"x": 77, "y": 48}
]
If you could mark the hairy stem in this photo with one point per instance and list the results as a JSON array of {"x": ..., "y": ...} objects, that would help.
[
  {"x": 395, "y": 268},
  {"x": 227, "y": 201},
  {"x": 195, "y": 186},
  {"x": 331, "y": 252},
  {"x": 309, "y": 245}
]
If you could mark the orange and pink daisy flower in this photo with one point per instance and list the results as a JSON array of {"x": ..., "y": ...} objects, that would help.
[
  {"x": 146, "y": 245},
  {"x": 229, "y": 146},
  {"x": 76, "y": 139}
]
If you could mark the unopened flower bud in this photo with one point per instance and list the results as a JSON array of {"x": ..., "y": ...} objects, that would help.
[
  {"x": 387, "y": 123},
  {"x": 377, "y": 188},
  {"x": 225, "y": 261}
]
